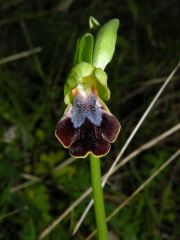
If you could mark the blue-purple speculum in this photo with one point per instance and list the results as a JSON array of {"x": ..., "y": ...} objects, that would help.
[{"x": 88, "y": 127}]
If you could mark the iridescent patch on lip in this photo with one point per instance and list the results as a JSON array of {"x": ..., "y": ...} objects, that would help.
[{"x": 87, "y": 126}]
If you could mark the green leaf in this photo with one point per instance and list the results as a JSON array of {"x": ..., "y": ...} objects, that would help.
[
  {"x": 84, "y": 49},
  {"x": 105, "y": 44},
  {"x": 28, "y": 230},
  {"x": 93, "y": 23}
]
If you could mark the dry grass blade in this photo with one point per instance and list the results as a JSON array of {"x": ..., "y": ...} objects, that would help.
[
  {"x": 9, "y": 214},
  {"x": 20, "y": 55},
  {"x": 64, "y": 214},
  {"x": 142, "y": 148},
  {"x": 64, "y": 164},
  {"x": 139, "y": 189},
  {"x": 128, "y": 142},
  {"x": 23, "y": 185},
  {"x": 148, "y": 145},
  {"x": 145, "y": 86},
  {"x": 34, "y": 179}
]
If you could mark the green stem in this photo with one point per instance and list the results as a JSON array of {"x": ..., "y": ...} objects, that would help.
[{"x": 98, "y": 198}]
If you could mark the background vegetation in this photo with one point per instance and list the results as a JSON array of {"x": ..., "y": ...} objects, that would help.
[{"x": 34, "y": 190}]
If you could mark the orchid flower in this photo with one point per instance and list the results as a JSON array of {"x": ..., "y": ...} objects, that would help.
[{"x": 88, "y": 126}]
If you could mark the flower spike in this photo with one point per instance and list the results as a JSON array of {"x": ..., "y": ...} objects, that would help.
[{"x": 87, "y": 125}]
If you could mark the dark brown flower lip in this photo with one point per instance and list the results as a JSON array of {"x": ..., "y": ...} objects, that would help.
[
  {"x": 87, "y": 127},
  {"x": 89, "y": 140}
]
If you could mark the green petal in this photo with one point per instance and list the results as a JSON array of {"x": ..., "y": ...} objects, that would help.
[
  {"x": 105, "y": 44},
  {"x": 78, "y": 72},
  {"x": 84, "y": 49},
  {"x": 101, "y": 84}
]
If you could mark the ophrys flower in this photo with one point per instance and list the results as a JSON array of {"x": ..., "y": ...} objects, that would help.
[{"x": 87, "y": 126}]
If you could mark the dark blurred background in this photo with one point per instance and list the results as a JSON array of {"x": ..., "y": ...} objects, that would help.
[{"x": 37, "y": 43}]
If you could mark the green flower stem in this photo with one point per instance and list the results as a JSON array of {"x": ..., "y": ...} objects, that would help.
[{"x": 98, "y": 198}]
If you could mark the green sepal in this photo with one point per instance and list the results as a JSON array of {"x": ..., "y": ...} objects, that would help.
[
  {"x": 84, "y": 49},
  {"x": 101, "y": 84},
  {"x": 75, "y": 77},
  {"x": 105, "y": 44}
]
